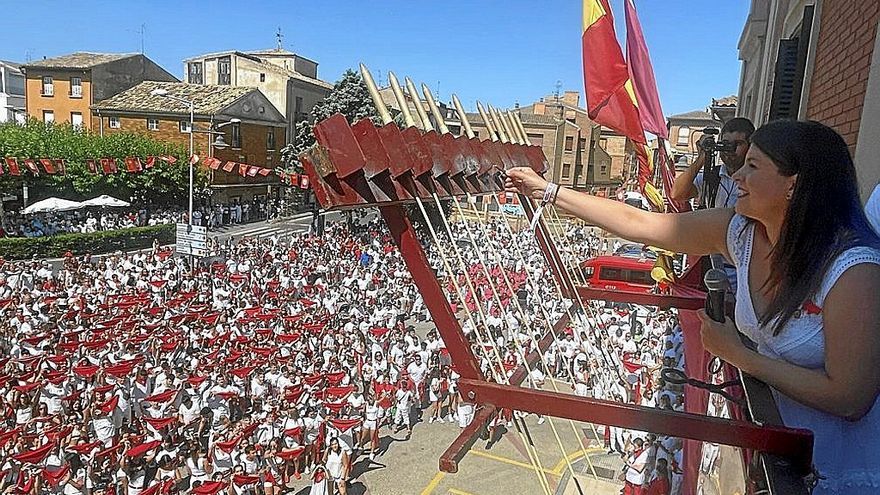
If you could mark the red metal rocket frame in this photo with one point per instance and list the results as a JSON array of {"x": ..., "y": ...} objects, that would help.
[{"x": 364, "y": 165}]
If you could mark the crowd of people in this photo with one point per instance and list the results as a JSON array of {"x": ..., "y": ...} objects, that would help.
[
  {"x": 85, "y": 221},
  {"x": 278, "y": 359}
]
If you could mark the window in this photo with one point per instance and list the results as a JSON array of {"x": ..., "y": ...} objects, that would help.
[
  {"x": 566, "y": 170},
  {"x": 184, "y": 126},
  {"x": 195, "y": 73},
  {"x": 603, "y": 169},
  {"x": 15, "y": 84},
  {"x": 569, "y": 143},
  {"x": 76, "y": 88},
  {"x": 262, "y": 77},
  {"x": 48, "y": 116},
  {"x": 536, "y": 139},
  {"x": 113, "y": 122},
  {"x": 76, "y": 119},
  {"x": 297, "y": 109},
  {"x": 642, "y": 277},
  {"x": 153, "y": 124},
  {"x": 224, "y": 71},
  {"x": 270, "y": 139},
  {"x": 235, "y": 141},
  {"x": 582, "y": 143},
  {"x": 603, "y": 143},
  {"x": 684, "y": 135},
  {"x": 48, "y": 86}
]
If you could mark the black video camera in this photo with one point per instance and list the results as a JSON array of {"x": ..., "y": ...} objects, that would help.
[{"x": 709, "y": 145}]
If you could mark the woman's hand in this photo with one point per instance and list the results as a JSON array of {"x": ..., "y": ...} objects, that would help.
[
  {"x": 525, "y": 181},
  {"x": 721, "y": 339}
]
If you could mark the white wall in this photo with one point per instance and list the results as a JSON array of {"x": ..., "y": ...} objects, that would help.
[{"x": 867, "y": 155}]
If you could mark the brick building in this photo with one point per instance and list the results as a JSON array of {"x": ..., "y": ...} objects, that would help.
[
  {"x": 818, "y": 60},
  {"x": 254, "y": 130},
  {"x": 580, "y": 153},
  {"x": 62, "y": 89}
]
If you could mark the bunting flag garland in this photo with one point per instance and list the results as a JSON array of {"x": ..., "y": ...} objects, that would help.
[
  {"x": 133, "y": 164},
  {"x": 212, "y": 163},
  {"x": 32, "y": 166},
  {"x": 48, "y": 166},
  {"x": 12, "y": 165},
  {"x": 108, "y": 165}
]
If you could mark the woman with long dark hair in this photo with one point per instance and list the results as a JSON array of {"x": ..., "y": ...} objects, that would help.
[{"x": 808, "y": 267}]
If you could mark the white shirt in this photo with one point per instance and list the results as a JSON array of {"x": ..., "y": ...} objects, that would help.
[
  {"x": 727, "y": 190},
  {"x": 872, "y": 209}
]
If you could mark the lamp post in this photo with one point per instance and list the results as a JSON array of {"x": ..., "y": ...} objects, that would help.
[{"x": 218, "y": 143}]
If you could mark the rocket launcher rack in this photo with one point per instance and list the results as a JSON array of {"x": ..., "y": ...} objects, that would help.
[{"x": 388, "y": 167}]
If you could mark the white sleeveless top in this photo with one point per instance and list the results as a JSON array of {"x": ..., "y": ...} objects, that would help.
[{"x": 845, "y": 453}]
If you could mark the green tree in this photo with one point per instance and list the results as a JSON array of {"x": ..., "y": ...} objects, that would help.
[
  {"x": 162, "y": 184},
  {"x": 349, "y": 97}
]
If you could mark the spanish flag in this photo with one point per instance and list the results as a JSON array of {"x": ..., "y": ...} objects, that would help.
[{"x": 611, "y": 100}]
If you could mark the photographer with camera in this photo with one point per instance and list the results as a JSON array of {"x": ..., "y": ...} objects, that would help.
[{"x": 732, "y": 148}]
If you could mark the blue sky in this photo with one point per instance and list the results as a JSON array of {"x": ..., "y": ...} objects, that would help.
[{"x": 496, "y": 51}]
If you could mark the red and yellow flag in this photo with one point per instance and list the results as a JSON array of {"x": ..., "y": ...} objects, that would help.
[{"x": 610, "y": 98}]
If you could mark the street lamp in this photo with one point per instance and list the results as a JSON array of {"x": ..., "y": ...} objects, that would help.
[{"x": 218, "y": 142}]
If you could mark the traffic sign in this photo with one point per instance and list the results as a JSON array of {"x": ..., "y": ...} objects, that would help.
[{"x": 192, "y": 239}]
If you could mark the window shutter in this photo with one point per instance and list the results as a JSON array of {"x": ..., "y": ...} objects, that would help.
[
  {"x": 791, "y": 63},
  {"x": 782, "y": 105}
]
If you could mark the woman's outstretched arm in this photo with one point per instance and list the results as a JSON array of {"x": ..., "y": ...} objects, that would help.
[{"x": 698, "y": 233}]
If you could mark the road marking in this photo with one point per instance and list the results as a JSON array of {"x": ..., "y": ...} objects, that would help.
[
  {"x": 563, "y": 463},
  {"x": 505, "y": 460},
  {"x": 434, "y": 482},
  {"x": 453, "y": 491}
]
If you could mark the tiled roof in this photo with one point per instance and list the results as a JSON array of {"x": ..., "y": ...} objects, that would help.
[
  {"x": 693, "y": 115},
  {"x": 727, "y": 101},
  {"x": 79, "y": 60},
  {"x": 207, "y": 99}
]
